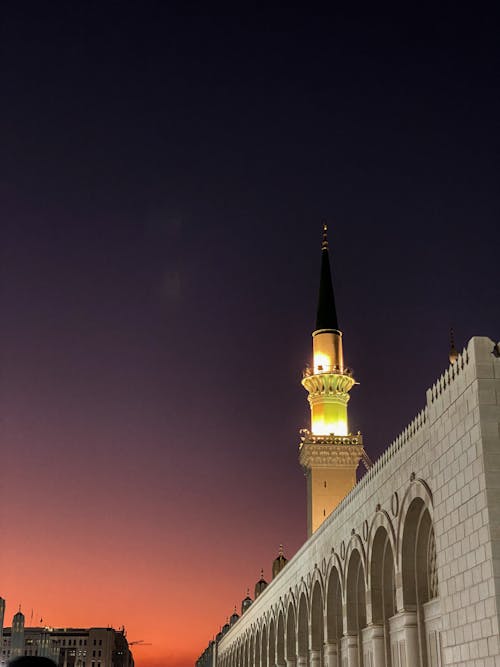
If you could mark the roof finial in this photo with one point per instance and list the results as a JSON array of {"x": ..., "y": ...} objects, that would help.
[
  {"x": 280, "y": 553},
  {"x": 453, "y": 350},
  {"x": 262, "y": 573},
  {"x": 324, "y": 243}
]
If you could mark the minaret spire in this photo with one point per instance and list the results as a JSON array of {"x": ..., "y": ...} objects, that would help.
[
  {"x": 329, "y": 452},
  {"x": 326, "y": 317}
]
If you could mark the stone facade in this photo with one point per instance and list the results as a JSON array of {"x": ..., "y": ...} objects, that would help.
[{"x": 405, "y": 572}]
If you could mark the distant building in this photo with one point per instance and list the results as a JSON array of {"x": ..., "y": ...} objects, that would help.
[{"x": 67, "y": 647}]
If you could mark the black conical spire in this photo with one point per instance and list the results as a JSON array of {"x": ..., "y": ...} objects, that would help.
[{"x": 327, "y": 313}]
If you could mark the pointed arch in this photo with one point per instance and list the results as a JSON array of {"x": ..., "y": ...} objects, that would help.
[
  {"x": 256, "y": 648},
  {"x": 291, "y": 633},
  {"x": 356, "y": 600},
  {"x": 317, "y": 617},
  {"x": 334, "y": 616},
  {"x": 303, "y": 627},
  {"x": 280, "y": 639},
  {"x": 263, "y": 648},
  {"x": 271, "y": 652}
]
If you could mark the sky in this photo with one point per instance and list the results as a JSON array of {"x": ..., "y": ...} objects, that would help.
[{"x": 164, "y": 174}]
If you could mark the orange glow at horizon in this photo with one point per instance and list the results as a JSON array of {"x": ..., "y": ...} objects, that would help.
[{"x": 163, "y": 566}]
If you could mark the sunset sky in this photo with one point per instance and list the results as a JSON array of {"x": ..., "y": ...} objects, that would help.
[{"x": 164, "y": 173}]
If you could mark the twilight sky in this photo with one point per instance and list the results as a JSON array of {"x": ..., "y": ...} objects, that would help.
[{"x": 163, "y": 177}]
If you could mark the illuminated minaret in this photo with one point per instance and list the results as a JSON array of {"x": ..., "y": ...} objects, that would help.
[{"x": 329, "y": 454}]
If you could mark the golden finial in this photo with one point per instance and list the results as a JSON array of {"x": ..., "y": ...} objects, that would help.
[
  {"x": 324, "y": 243},
  {"x": 453, "y": 350}
]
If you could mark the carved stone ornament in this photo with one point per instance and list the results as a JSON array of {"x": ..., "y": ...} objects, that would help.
[
  {"x": 365, "y": 530},
  {"x": 340, "y": 456},
  {"x": 395, "y": 503}
]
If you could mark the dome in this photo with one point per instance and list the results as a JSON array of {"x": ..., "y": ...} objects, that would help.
[
  {"x": 246, "y": 602},
  {"x": 279, "y": 562},
  {"x": 234, "y": 617},
  {"x": 225, "y": 628},
  {"x": 261, "y": 585}
]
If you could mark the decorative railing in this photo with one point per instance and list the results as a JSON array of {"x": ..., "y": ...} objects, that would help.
[
  {"x": 306, "y": 437},
  {"x": 449, "y": 375},
  {"x": 321, "y": 370}
]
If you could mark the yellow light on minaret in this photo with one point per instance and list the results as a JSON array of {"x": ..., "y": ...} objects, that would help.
[{"x": 329, "y": 454}]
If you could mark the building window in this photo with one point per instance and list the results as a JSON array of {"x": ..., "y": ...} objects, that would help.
[
  {"x": 99, "y": 654},
  {"x": 100, "y": 642}
]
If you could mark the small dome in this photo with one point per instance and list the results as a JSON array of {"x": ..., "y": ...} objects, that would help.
[
  {"x": 234, "y": 617},
  {"x": 279, "y": 562},
  {"x": 218, "y": 636},
  {"x": 225, "y": 628},
  {"x": 246, "y": 602},
  {"x": 261, "y": 585}
]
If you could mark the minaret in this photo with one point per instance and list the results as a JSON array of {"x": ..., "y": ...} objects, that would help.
[{"x": 329, "y": 454}]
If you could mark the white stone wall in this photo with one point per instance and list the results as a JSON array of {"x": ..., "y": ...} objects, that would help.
[{"x": 448, "y": 463}]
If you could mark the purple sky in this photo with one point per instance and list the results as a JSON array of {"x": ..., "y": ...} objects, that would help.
[{"x": 163, "y": 179}]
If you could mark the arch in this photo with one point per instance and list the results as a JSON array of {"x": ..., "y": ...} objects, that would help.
[
  {"x": 250, "y": 661},
  {"x": 256, "y": 648},
  {"x": 334, "y": 617},
  {"x": 417, "y": 489},
  {"x": 244, "y": 654},
  {"x": 263, "y": 651},
  {"x": 355, "y": 592},
  {"x": 291, "y": 635},
  {"x": 280, "y": 640},
  {"x": 271, "y": 660},
  {"x": 302, "y": 627},
  {"x": 317, "y": 618},
  {"x": 418, "y": 565},
  {"x": 382, "y": 576}
]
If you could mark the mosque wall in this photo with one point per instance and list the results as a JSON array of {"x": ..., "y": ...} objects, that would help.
[{"x": 405, "y": 572}]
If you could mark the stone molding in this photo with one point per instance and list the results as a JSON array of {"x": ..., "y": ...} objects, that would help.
[{"x": 318, "y": 456}]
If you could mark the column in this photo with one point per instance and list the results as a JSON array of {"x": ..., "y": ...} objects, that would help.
[
  {"x": 350, "y": 651},
  {"x": 432, "y": 623},
  {"x": 373, "y": 646},
  {"x": 330, "y": 652},
  {"x": 314, "y": 658},
  {"x": 404, "y": 639}
]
